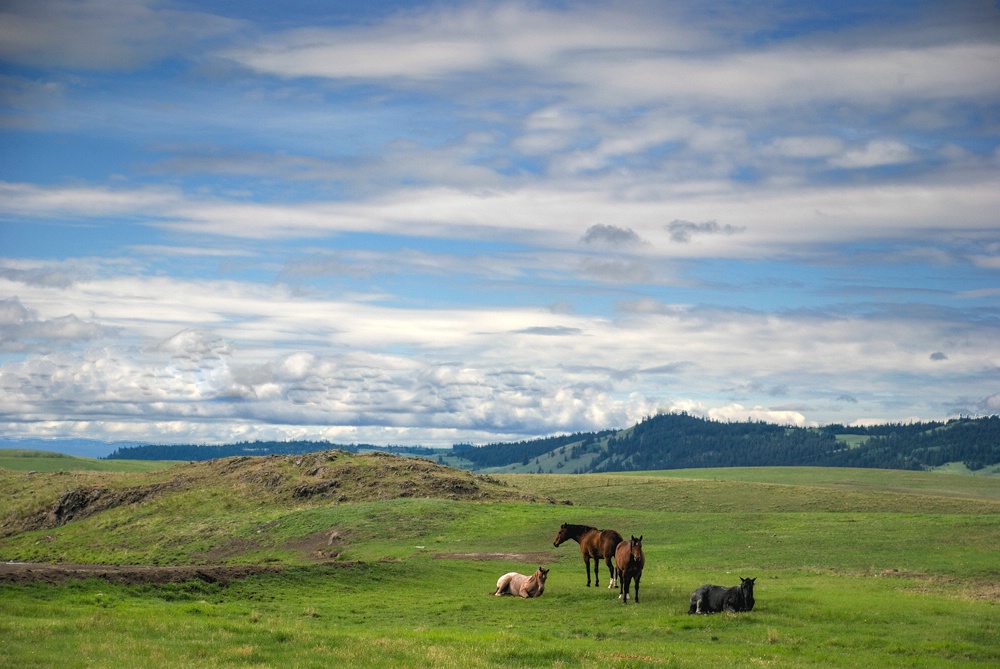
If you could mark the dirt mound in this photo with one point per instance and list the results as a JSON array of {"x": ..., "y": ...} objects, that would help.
[
  {"x": 79, "y": 503},
  {"x": 343, "y": 477}
]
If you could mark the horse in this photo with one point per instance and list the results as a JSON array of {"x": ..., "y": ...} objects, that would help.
[
  {"x": 520, "y": 585},
  {"x": 717, "y": 598},
  {"x": 629, "y": 561},
  {"x": 595, "y": 545}
]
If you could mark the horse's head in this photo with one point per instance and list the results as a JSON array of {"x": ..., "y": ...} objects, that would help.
[
  {"x": 746, "y": 590},
  {"x": 541, "y": 574},
  {"x": 561, "y": 536},
  {"x": 635, "y": 547}
]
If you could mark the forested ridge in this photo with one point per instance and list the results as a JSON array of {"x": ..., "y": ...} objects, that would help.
[
  {"x": 677, "y": 441},
  {"x": 680, "y": 441}
]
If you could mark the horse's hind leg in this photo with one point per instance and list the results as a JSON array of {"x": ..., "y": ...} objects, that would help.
[
  {"x": 502, "y": 585},
  {"x": 611, "y": 572}
]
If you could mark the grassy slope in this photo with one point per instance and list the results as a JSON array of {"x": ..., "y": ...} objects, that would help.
[
  {"x": 44, "y": 461},
  {"x": 853, "y": 568}
]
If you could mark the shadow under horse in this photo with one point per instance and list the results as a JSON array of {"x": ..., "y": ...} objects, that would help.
[{"x": 595, "y": 545}]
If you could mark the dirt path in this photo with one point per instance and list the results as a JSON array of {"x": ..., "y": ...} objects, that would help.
[
  {"x": 28, "y": 572},
  {"x": 37, "y": 572}
]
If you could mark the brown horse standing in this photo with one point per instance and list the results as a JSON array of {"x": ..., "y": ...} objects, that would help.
[
  {"x": 629, "y": 561},
  {"x": 595, "y": 545}
]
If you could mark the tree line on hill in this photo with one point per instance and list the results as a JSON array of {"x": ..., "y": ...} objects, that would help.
[
  {"x": 197, "y": 452},
  {"x": 502, "y": 454},
  {"x": 680, "y": 441}
]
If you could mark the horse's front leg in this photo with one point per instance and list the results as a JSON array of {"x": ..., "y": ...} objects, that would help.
[
  {"x": 597, "y": 572},
  {"x": 586, "y": 565},
  {"x": 637, "y": 588}
]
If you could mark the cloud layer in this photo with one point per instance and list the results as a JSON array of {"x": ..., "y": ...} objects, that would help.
[{"x": 423, "y": 223}]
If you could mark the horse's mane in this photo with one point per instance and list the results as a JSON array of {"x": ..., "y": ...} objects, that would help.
[{"x": 579, "y": 528}]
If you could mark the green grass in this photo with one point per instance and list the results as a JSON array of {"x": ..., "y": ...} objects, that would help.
[
  {"x": 397, "y": 614},
  {"x": 854, "y": 569}
]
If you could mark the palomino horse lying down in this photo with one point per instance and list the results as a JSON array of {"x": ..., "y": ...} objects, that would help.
[
  {"x": 520, "y": 585},
  {"x": 718, "y": 598}
]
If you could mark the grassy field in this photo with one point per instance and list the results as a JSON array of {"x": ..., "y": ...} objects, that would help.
[{"x": 854, "y": 568}]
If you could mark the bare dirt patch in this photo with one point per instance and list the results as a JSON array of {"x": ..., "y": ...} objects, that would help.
[
  {"x": 533, "y": 558},
  {"x": 973, "y": 590},
  {"x": 27, "y": 572}
]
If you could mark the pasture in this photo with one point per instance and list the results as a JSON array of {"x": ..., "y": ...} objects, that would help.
[{"x": 853, "y": 569}]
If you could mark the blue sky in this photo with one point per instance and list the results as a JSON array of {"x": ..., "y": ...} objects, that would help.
[{"x": 442, "y": 222}]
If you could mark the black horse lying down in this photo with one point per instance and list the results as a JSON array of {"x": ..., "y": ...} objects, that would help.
[{"x": 718, "y": 598}]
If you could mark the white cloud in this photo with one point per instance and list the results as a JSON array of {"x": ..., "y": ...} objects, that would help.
[
  {"x": 444, "y": 42},
  {"x": 793, "y": 76},
  {"x": 22, "y": 329},
  {"x": 775, "y": 219},
  {"x": 273, "y": 358},
  {"x": 813, "y": 146},
  {"x": 875, "y": 154},
  {"x": 738, "y": 412}
]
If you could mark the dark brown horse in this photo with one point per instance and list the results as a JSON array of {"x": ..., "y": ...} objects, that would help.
[
  {"x": 629, "y": 561},
  {"x": 595, "y": 545}
]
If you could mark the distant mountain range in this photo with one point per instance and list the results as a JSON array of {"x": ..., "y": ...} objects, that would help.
[
  {"x": 88, "y": 448},
  {"x": 665, "y": 441}
]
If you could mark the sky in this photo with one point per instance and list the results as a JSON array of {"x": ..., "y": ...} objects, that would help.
[{"x": 430, "y": 223}]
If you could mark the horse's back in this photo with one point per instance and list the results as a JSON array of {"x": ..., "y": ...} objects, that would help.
[
  {"x": 710, "y": 599},
  {"x": 510, "y": 583},
  {"x": 623, "y": 553},
  {"x": 608, "y": 542}
]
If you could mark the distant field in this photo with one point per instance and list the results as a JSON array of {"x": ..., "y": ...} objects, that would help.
[
  {"x": 854, "y": 568},
  {"x": 773, "y": 490},
  {"x": 44, "y": 461}
]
